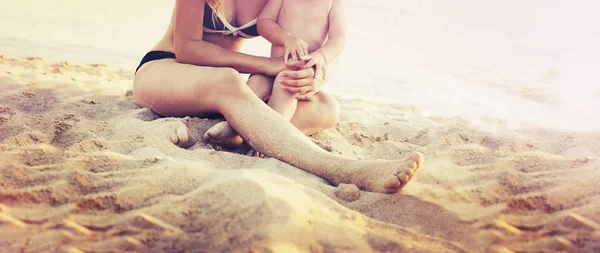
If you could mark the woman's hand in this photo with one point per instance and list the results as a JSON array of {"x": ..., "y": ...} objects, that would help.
[
  {"x": 300, "y": 80},
  {"x": 274, "y": 67},
  {"x": 295, "y": 48}
]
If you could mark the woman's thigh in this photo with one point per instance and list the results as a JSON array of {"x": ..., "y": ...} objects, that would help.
[{"x": 173, "y": 89}]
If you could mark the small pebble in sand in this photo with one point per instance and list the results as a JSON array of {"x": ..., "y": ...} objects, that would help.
[
  {"x": 347, "y": 192},
  {"x": 152, "y": 160}
]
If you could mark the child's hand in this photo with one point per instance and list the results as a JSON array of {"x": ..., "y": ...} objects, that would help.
[
  {"x": 295, "y": 48},
  {"x": 318, "y": 61}
]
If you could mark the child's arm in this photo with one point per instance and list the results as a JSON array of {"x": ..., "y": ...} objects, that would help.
[
  {"x": 335, "y": 42},
  {"x": 268, "y": 28},
  {"x": 337, "y": 32}
]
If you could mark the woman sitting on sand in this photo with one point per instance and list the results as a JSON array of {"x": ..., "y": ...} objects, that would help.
[{"x": 194, "y": 70}]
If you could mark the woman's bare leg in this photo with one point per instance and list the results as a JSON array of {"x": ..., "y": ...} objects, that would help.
[
  {"x": 320, "y": 113},
  {"x": 269, "y": 133},
  {"x": 222, "y": 133},
  {"x": 174, "y": 89}
]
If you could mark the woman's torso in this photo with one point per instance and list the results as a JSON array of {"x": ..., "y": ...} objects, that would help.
[{"x": 238, "y": 13}]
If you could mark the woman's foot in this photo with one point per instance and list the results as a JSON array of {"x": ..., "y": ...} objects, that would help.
[
  {"x": 223, "y": 135},
  {"x": 182, "y": 136},
  {"x": 381, "y": 176}
]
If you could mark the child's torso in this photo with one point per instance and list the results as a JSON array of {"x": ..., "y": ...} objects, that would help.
[{"x": 306, "y": 19}]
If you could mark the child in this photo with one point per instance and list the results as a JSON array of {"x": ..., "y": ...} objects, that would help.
[
  {"x": 309, "y": 30},
  {"x": 298, "y": 30}
]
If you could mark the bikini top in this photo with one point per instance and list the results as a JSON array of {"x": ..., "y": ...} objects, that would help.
[{"x": 220, "y": 25}]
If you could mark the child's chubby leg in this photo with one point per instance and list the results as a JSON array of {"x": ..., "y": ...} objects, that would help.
[
  {"x": 261, "y": 85},
  {"x": 282, "y": 101}
]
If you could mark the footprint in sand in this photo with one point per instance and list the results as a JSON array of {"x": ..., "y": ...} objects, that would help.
[{"x": 182, "y": 136}]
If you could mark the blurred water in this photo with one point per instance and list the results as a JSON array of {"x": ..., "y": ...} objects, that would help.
[{"x": 533, "y": 62}]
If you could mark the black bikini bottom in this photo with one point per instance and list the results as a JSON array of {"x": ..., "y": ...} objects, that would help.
[{"x": 155, "y": 55}]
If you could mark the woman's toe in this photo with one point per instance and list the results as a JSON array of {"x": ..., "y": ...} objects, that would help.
[{"x": 392, "y": 182}]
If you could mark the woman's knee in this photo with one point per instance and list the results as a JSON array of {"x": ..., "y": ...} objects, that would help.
[
  {"x": 228, "y": 77},
  {"x": 227, "y": 82},
  {"x": 223, "y": 87}
]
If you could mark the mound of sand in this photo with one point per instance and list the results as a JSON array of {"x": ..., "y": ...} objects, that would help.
[{"x": 84, "y": 169}]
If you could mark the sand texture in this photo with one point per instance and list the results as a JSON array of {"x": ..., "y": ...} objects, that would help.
[{"x": 85, "y": 169}]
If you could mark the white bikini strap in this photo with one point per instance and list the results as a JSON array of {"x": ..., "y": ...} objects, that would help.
[{"x": 233, "y": 30}]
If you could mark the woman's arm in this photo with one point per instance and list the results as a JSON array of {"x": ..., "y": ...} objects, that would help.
[
  {"x": 191, "y": 49},
  {"x": 337, "y": 33}
]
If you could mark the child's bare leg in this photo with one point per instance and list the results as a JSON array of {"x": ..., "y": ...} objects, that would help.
[
  {"x": 222, "y": 134},
  {"x": 261, "y": 85},
  {"x": 282, "y": 101}
]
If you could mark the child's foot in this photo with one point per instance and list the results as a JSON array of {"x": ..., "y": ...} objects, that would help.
[{"x": 223, "y": 135}]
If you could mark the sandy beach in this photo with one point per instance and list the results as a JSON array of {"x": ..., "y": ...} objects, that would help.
[
  {"x": 502, "y": 98},
  {"x": 85, "y": 169}
]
